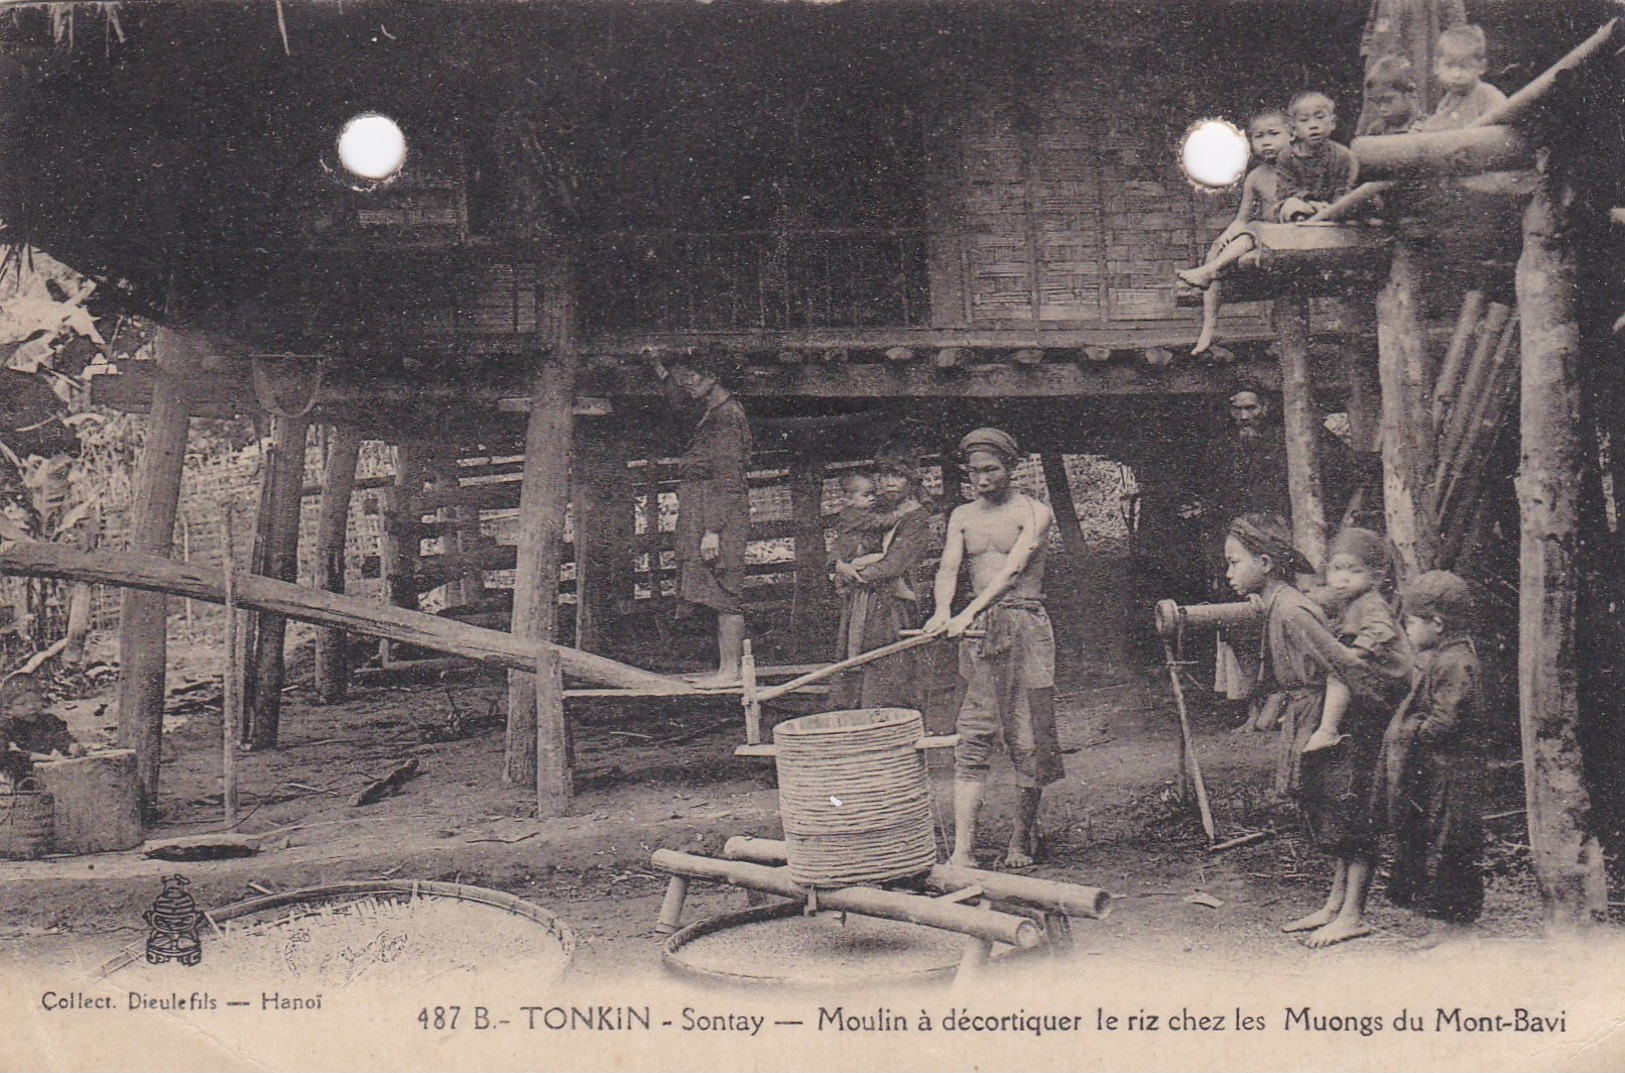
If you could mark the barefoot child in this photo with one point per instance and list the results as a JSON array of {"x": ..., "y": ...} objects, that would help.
[
  {"x": 1270, "y": 134},
  {"x": 1432, "y": 772},
  {"x": 1314, "y": 171},
  {"x": 1300, "y": 651}
]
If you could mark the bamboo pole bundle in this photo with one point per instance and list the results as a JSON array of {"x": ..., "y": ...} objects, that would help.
[
  {"x": 1462, "y": 473},
  {"x": 1475, "y": 379},
  {"x": 1448, "y": 383}
]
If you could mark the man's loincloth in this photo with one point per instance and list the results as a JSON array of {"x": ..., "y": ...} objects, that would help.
[{"x": 1010, "y": 691}]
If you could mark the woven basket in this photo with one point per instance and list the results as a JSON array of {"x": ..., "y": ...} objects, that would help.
[
  {"x": 26, "y": 824},
  {"x": 854, "y": 797}
]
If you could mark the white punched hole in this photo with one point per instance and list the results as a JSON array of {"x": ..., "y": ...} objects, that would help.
[
  {"x": 1214, "y": 154},
  {"x": 372, "y": 147}
]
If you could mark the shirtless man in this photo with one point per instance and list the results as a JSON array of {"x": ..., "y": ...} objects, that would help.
[{"x": 1009, "y": 671}]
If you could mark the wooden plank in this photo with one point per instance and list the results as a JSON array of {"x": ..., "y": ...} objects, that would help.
[
  {"x": 276, "y": 555},
  {"x": 143, "y": 616},
  {"x": 332, "y": 674},
  {"x": 1302, "y": 427},
  {"x": 154, "y": 574},
  {"x": 1566, "y": 854}
]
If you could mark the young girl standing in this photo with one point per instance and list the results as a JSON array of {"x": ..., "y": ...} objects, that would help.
[{"x": 1300, "y": 652}]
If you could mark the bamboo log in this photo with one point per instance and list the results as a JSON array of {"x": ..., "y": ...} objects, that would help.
[
  {"x": 1406, "y": 427},
  {"x": 1447, "y": 384},
  {"x": 143, "y": 616},
  {"x": 869, "y": 901},
  {"x": 1567, "y": 856},
  {"x": 542, "y": 500},
  {"x": 1487, "y": 411},
  {"x": 1302, "y": 431},
  {"x": 1171, "y": 617},
  {"x": 1514, "y": 108},
  {"x": 338, "y": 483},
  {"x": 153, "y": 574},
  {"x": 1475, "y": 379},
  {"x": 1437, "y": 154},
  {"x": 1072, "y": 899},
  {"x": 276, "y": 555}
]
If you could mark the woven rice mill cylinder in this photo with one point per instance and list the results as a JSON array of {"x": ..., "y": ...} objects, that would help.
[{"x": 854, "y": 797}]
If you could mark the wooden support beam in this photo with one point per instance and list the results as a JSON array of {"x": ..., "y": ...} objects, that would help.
[
  {"x": 1439, "y": 154},
  {"x": 1064, "y": 508},
  {"x": 151, "y": 573},
  {"x": 1567, "y": 857},
  {"x": 1447, "y": 385},
  {"x": 1359, "y": 366},
  {"x": 555, "y": 748},
  {"x": 338, "y": 483},
  {"x": 807, "y": 505},
  {"x": 1302, "y": 425},
  {"x": 601, "y": 502},
  {"x": 403, "y": 512},
  {"x": 276, "y": 555},
  {"x": 542, "y": 500},
  {"x": 1407, "y": 427},
  {"x": 143, "y": 616}
]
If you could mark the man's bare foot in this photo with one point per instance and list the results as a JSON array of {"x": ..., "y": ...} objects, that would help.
[
  {"x": 1323, "y": 739},
  {"x": 1249, "y": 727},
  {"x": 1338, "y": 931},
  {"x": 963, "y": 860},
  {"x": 1022, "y": 852},
  {"x": 1198, "y": 277},
  {"x": 1318, "y": 919},
  {"x": 717, "y": 681}
]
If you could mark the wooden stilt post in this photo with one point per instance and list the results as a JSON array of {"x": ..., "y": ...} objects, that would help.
[
  {"x": 555, "y": 751},
  {"x": 807, "y": 507},
  {"x": 542, "y": 498},
  {"x": 143, "y": 616},
  {"x": 601, "y": 505},
  {"x": 1062, "y": 504},
  {"x": 1407, "y": 423},
  {"x": 276, "y": 555},
  {"x": 338, "y": 483},
  {"x": 1567, "y": 857},
  {"x": 1364, "y": 402},
  {"x": 1302, "y": 431},
  {"x": 398, "y": 551}
]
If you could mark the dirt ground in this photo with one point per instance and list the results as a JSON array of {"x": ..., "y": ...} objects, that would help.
[{"x": 661, "y": 773}]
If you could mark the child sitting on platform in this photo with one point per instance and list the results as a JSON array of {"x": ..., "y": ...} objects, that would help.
[
  {"x": 1314, "y": 171},
  {"x": 1432, "y": 772},
  {"x": 1459, "y": 63},
  {"x": 1390, "y": 96},
  {"x": 1270, "y": 134}
]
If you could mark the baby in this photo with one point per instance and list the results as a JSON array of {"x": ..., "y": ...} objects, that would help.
[
  {"x": 859, "y": 529},
  {"x": 1314, "y": 171},
  {"x": 1458, "y": 64},
  {"x": 1270, "y": 134}
]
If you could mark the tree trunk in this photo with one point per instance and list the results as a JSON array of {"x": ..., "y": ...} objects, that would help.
[
  {"x": 338, "y": 484},
  {"x": 542, "y": 499},
  {"x": 1407, "y": 424},
  {"x": 276, "y": 555},
  {"x": 1567, "y": 857},
  {"x": 144, "y": 616},
  {"x": 1302, "y": 431}
]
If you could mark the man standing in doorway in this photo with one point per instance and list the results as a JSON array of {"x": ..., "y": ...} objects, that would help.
[
  {"x": 1009, "y": 669},
  {"x": 713, "y": 507}
]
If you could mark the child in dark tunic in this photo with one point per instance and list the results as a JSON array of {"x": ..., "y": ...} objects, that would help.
[
  {"x": 1314, "y": 171},
  {"x": 1432, "y": 772},
  {"x": 1301, "y": 651}
]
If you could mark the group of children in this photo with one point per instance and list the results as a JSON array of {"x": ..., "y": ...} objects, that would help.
[
  {"x": 1377, "y": 721},
  {"x": 1301, "y": 170}
]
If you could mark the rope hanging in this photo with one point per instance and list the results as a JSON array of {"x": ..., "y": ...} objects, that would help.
[{"x": 854, "y": 797}]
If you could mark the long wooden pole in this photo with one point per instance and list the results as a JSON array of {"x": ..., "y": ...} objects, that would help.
[
  {"x": 1063, "y": 506},
  {"x": 1474, "y": 380},
  {"x": 996, "y": 927},
  {"x": 1567, "y": 856},
  {"x": 543, "y": 495},
  {"x": 151, "y": 573},
  {"x": 1407, "y": 428},
  {"x": 1302, "y": 431},
  {"x": 1447, "y": 384},
  {"x": 1189, "y": 765},
  {"x": 1437, "y": 154},
  {"x": 144, "y": 616},
  {"x": 278, "y": 558},
  {"x": 231, "y": 700},
  {"x": 338, "y": 484}
]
